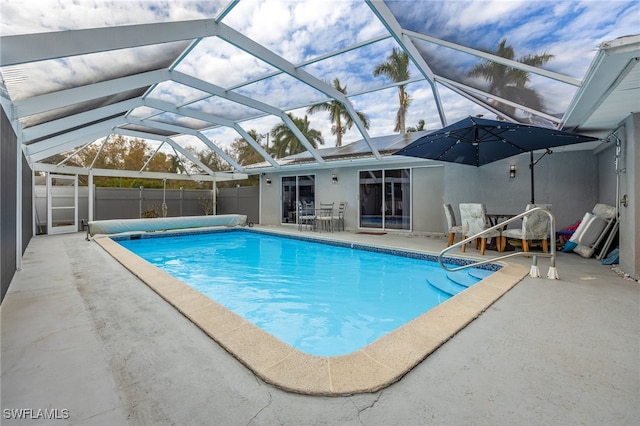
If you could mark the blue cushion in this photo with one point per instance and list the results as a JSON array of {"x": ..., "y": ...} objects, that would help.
[
  {"x": 613, "y": 258},
  {"x": 569, "y": 245}
]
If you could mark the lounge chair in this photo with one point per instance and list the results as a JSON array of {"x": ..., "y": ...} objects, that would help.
[{"x": 593, "y": 228}]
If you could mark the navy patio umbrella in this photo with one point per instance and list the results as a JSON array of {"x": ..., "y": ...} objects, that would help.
[{"x": 477, "y": 141}]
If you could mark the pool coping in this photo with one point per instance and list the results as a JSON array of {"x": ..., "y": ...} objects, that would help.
[{"x": 369, "y": 369}]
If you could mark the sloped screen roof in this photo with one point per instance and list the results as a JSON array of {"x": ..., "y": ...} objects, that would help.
[{"x": 208, "y": 72}]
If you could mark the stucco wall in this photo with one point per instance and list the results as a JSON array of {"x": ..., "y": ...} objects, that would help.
[
  {"x": 270, "y": 199},
  {"x": 629, "y": 164},
  {"x": 566, "y": 179},
  {"x": 607, "y": 174},
  {"x": 345, "y": 189},
  {"x": 427, "y": 193},
  {"x": 629, "y": 185}
]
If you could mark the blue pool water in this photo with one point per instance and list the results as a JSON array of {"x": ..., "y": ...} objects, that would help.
[{"x": 322, "y": 299}]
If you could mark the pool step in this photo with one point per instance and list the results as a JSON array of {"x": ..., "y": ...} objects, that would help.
[
  {"x": 462, "y": 278},
  {"x": 480, "y": 273},
  {"x": 444, "y": 284},
  {"x": 453, "y": 282}
]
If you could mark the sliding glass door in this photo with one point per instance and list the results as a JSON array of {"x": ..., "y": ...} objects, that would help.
[
  {"x": 371, "y": 200},
  {"x": 296, "y": 190},
  {"x": 385, "y": 198}
]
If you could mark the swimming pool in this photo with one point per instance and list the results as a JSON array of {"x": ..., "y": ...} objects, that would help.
[
  {"x": 322, "y": 299},
  {"x": 369, "y": 369}
]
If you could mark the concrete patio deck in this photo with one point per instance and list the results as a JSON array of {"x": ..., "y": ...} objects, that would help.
[{"x": 85, "y": 341}]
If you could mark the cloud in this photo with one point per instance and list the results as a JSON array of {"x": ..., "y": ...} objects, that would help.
[
  {"x": 218, "y": 62},
  {"x": 301, "y": 30},
  {"x": 20, "y": 17}
]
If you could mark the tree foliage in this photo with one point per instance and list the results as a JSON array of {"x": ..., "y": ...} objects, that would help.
[
  {"x": 396, "y": 68},
  {"x": 419, "y": 127},
  {"x": 244, "y": 152},
  {"x": 216, "y": 163},
  {"x": 339, "y": 116},
  {"x": 285, "y": 141},
  {"x": 121, "y": 153},
  {"x": 508, "y": 82}
]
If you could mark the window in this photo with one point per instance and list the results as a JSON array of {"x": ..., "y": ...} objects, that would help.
[
  {"x": 385, "y": 199},
  {"x": 296, "y": 190}
]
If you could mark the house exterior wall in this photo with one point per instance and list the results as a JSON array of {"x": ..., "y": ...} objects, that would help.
[
  {"x": 630, "y": 186},
  {"x": 346, "y": 189},
  {"x": 607, "y": 174},
  {"x": 428, "y": 180},
  {"x": 427, "y": 195},
  {"x": 568, "y": 180},
  {"x": 270, "y": 199},
  {"x": 629, "y": 164}
]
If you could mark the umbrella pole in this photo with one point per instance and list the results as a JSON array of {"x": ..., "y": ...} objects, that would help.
[{"x": 531, "y": 166}]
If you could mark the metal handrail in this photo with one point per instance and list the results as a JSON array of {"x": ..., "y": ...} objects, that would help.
[{"x": 534, "y": 272}]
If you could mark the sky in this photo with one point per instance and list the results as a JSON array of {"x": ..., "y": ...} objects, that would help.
[{"x": 300, "y": 31}]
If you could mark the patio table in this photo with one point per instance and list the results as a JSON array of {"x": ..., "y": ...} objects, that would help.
[{"x": 494, "y": 219}]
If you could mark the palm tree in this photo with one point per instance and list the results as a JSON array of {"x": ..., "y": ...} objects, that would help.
[
  {"x": 338, "y": 114},
  {"x": 418, "y": 128},
  {"x": 396, "y": 67},
  {"x": 285, "y": 141},
  {"x": 245, "y": 153},
  {"x": 211, "y": 159},
  {"x": 508, "y": 82},
  {"x": 176, "y": 165}
]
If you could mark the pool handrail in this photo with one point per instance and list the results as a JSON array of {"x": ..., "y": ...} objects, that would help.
[{"x": 534, "y": 272}]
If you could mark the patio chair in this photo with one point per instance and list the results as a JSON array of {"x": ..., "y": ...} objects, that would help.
[
  {"x": 535, "y": 227},
  {"x": 474, "y": 220},
  {"x": 338, "y": 218},
  {"x": 324, "y": 217},
  {"x": 306, "y": 215},
  {"x": 452, "y": 227}
]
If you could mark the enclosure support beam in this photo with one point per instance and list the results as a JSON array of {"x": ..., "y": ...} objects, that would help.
[
  {"x": 91, "y": 196},
  {"x": 19, "y": 207}
]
